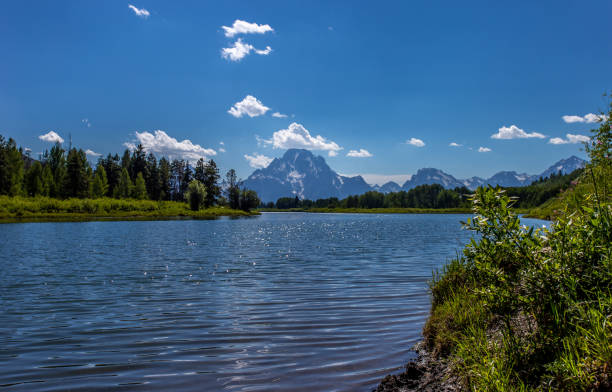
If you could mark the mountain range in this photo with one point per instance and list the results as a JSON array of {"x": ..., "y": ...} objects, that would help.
[{"x": 307, "y": 176}]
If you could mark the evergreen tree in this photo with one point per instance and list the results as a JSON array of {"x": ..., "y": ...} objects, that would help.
[
  {"x": 231, "y": 189},
  {"x": 140, "y": 189},
  {"x": 33, "y": 180},
  {"x": 57, "y": 163},
  {"x": 112, "y": 167},
  {"x": 152, "y": 179},
  {"x": 199, "y": 173},
  {"x": 211, "y": 183},
  {"x": 185, "y": 180},
  {"x": 138, "y": 163},
  {"x": 124, "y": 187},
  {"x": 47, "y": 181},
  {"x": 11, "y": 168},
  {"x": 76, "y": 182},
  {"x": 164, "y": 179},
  {"x": 100, "y": 183},
  {"x": 126, "y": 161}
]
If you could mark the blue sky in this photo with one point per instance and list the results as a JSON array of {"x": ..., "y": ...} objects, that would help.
[{"x": 348, "y": 76}]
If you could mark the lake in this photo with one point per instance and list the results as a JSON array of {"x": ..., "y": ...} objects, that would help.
[{"x": 283, "y": 301}]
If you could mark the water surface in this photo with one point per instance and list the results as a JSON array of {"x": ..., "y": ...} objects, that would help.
[{"x": 284, "y": 301}]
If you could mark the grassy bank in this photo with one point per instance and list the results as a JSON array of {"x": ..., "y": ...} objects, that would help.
[
  {"x": 20, "y": 209},
  {"x": 526, "y": 309}
]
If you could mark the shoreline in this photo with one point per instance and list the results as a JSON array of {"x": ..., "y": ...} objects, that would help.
[
  {"x": 116, "y": 218},
  {"x": 424, "y": 373}
]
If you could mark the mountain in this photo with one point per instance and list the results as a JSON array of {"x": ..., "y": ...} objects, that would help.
[
  {"x": 429, "y": 176},
  {"x": 564, "y": 166},
  {"x": 302, "y": 174},
  {"x": 388, "y": 187},
  {"x": 510, "y": 178}
]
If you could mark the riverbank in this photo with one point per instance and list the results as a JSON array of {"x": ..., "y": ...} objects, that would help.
[
  {"x": 521, "y": 309},
  {"x": 44, "y": 209}
]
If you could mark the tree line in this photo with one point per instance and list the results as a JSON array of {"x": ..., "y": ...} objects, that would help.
[
  {"x": 435, "y": 196},
  {"x": 67, "y": 174}
]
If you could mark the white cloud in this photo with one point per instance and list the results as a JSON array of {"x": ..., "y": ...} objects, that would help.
[
  {"x": 86, "y": 122},
  {"x": 222, "y": 143},
  {"x": 221, "y": 149},
  {"x": 160, "y": 142},
  {"x": 92, "y": 153},
  {"x": 242, "y": 27},
  {"x": 587, "y": 118},
  {"x": 484, "y": 149},
  {"x": 296, "y": 136},
  {"x": 258, "y": 161},
  {"x": 571, "y": 139},
  {"x": 143, "y": 13},
  {"x": 415, "y": 142},
  {"x": 514, "y": 132},
  {"x": 250, "y": 106},
  {"x": 241, "y": 49},
  {"x": 361, "y": 153},
  {"x": 453, "y": 144},
  {"x": 51, "y": 137},
  {"x": 279, "y": 115}
]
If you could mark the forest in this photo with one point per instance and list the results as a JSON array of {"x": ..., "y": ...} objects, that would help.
[
  {"x": 67, "y": 174},
  {"x": 434, "y": 197}
]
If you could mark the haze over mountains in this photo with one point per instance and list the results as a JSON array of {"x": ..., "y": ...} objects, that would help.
[{"x": 305, "y": 175}]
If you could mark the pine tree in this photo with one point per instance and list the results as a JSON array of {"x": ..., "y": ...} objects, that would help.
[
  {"x": 11, "y": 168},
  {"x": 124, "y": 188},
  {"x": 57, "y": 163},
  {"x": 140, "y": 188},
  {"x": 100, "y": 183},
  {"x": 33, "y": 180},
  {"x": 76, "y": 182},
  {"x": 211, "y": 183},
  {"x": 231, "y": 189},
  {"x": 47, "y": 181},
  {"x": 164, "y": 179}
]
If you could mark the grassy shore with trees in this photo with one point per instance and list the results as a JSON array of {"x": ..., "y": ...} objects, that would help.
[
  {"x": 62, "y": 185},
  {"x": 530, "y": 309},
  {"x": 433, "y": 199}
]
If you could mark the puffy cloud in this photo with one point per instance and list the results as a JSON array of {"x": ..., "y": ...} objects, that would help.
[
  {"x": 279, "y": 115},
  {"x": 571, "y": 139},
  {"x": 258, "y": 161},
  {"x": 240, "y": 49},
  {"x": 296, "y": 136},
  {"x": 361, "y": 153},
  {"x": 415, "y": 142},
  {"x": 242, "y": 27},
  {"x": 250, "y": 106},
  {"x": 514, "y": 132},
  {"x": 453, "y": 144},
  {"x": 484, "y": 149},
  {"x": 92, "y": 153},
  {"x": 143, "y": 13},
  {"x": 587, "y": 118},
  {"x": 161, "y": 143},
  {"x": 51, "y": 137},
  {"x": 221, "y": 149}
]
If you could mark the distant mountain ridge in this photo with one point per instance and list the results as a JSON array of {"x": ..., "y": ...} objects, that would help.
[{"x": 300, "y": 173}]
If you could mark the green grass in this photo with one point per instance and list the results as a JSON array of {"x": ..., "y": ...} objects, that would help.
[
  {"x": 22, "y": 209},
  {"x": 524, "y": 309}
]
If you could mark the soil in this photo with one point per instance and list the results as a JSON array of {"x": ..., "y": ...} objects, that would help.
[{"x": 425, "y": 373}]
